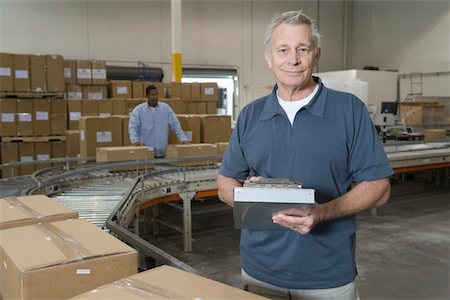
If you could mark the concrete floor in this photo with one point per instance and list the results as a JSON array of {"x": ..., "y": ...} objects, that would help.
[{"x": 402, "y": 253}]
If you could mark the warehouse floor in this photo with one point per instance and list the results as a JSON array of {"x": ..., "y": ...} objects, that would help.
[{"x": 402, "y": 253}]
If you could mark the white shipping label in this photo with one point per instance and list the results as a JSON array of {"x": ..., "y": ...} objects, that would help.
[
  {"x": 26, "y": 158},
  {"x": 122, "y": 90},
  {"x": 24, "y": 117},
  {"x": 99, "y": 73},
  {"x": 83, "y": 271},
  {"x": 74, "y": 95},
  {"x": 74, "y": 115},
  {"x": 82, "y": 135},
  {"x": 42, "y": 115},
  {"x": 104, "y": 136},
  {"x": 95, "y": 96},
  {"x": 7, "y": 117},
  {"x": 5, "y": 71},
  {"x": 104, "y": 114},
  {"x": 67, "y": 73},
  {"x": 22, "y": 74},
  {"x": 84, "y": 73},
  {"x": 208, "y": 91},
  {"x": 43, "y": 157},
  {"x": 189, "y": 135}
]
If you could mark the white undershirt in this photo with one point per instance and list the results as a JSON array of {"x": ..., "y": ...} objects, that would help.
[{"x": 292, "y": 107}]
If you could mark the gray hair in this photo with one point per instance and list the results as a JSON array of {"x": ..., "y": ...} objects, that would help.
[{"x": 295, "y": 17}]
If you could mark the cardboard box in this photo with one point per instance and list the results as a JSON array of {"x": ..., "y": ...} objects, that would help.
[
  {"x": 26, "y": 153},
  {"x": 128, "y": 153},
  {"x": 138, "y": 89},
  {"x": 72, "y": 143},
  {"x": 38, "y": 79},
  {"x": 221, "y": 147},
  {"x": 74, "y": 114},
  {"x": 34, "y": 209},
  {"x": 125, "y": 133},
  {"x": 158, "y": 85},
  {"x": 173, "y": 90},
  {"x": 68, "y": 258},
  {"x": 9, "y": 154},
  {"x": 120, "y": 89},
  {"x": 58, "y": 151},
  {"x": 165, "y": 282},
  {"x": 189, "y": 150},
  {"x": 196, "y": 107},
  {"x": 119, "y": 106},
  {"x": 99, "y": 72},
  {"x": 58, "y": 116},
  {"x": 55, "y": 73},
  {"x": 25, "y": 117},
  {"x": 186, "y": 91},
  {"x": 95, "y": 92},
  {"x": 211, "y": 108},
  {"x": 70, "y": 71},
  {"x": 105, "y": 107},
  {"x": 191, "y": 125},
  {"x": 433, "y": 135},
  {"x": 132, "y": 103},
  {"x": 195, "y": 92},
  {"x": 21, "y": 67},
  {"x": 84, "y": 72},
  {"x": 6, "y": 72},
  {"x": 89, "y": 108},
  {"x": 216, "y": 128},
  {"x": 99, "y": 132},
  {"x": 8, "y": 124},
  {"x": 74, "y": 92},
  {"x": 42, "y": 152},
  {"x": 41, "y": 120},
  {"x": 209, "y": 91},
  {"x": 178, "y": 106}
]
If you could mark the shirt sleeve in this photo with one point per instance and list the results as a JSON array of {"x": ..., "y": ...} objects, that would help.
[
  {"x": 175, "y": 126},
  {"x": 134, "y": 125}
]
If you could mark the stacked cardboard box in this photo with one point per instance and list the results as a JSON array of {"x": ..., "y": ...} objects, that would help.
[
  {"x": 6, "y": 72},
  {"x": 9, "y": 154},
  {"x": 99, "y": 132},
  {"x": 191, "y": 125},
  {"x": 215, "y": 128}
]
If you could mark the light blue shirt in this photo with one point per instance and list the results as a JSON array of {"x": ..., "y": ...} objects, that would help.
[{"x": 150, "y": 126}]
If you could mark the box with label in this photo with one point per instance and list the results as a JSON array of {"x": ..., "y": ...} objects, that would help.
[
  {"x": 9, "y": 154},
  {"x": 89, "y": 108},
  {"x": 119, "y": 106},
  {"x": 61, "y": 259},
  {"x": 99, "y": 132},
  {"x": 41, "y": 109},
  {"x": 196, "y": 107},
  {"x": 120, "y": 89},
  {"x": 70, "y": 71},
  {"x": 192, "y": 150},
  {"x": 58, "y": 151},
  {"x": 24, "y": 117},
  {"x": 55, "y": 73},
  {"x": 190, "y": 125},
  {"x": 216, "y": 128},
  {"x": 98, "y": 72},
  {"x": 8, "y": 110},
  {"x": 95, "y": 92},
  {"x": 209, "y": 91},
  {"x": 105, "y": 107},
  {"x": 42, "y": 152},
  {"x": 128, "y": 153},
  {"x": 84, "y": 72},
  {"x": 125, "y": 133},
  {"x": 6, "y": 72},
  {"x": 28, "y": 210},
  {"x": 178, "y": 106},
  {"x": 72, "y": 143},
  {"x": 74, "y": 91},
  {"x": 26, "y": 154},
  {"x": 58, "y": 113},
  {"x": 173, "y": 90},
  {"x": 74, "y": 114},
  {"x": 158, "y": 85},
  {"x": 38, "y": 78},
  {"x": 21, "y": 67},
  {"x": 138, "y": 89},
  {"x": 195, "y": 92},
  {"x": 158, "y": 283}
]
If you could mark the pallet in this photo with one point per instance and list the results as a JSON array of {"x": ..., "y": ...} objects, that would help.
[
  {"x": 30, "y": 139},
  {"x": 40, "y": 95}
]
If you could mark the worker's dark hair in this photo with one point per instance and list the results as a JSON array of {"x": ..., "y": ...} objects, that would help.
[{"x": 149, "y": 88}]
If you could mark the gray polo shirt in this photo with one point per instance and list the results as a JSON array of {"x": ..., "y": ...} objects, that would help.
[{"x": 331, "y": 144}]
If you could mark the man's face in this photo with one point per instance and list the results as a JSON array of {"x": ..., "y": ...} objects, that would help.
[
  {"x": 152, "y": 98},
  {"x": 292, "y": 58}
]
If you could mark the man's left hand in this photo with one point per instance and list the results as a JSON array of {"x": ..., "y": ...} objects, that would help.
[{"x": 300, "y": 219}]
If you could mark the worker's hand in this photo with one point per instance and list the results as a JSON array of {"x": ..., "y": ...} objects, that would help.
[
  {"x": 300, "y": 219},
  {"x": 137, "y": 143}
]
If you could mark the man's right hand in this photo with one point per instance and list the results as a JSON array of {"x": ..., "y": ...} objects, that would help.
[{"x": 137, "y": 143}]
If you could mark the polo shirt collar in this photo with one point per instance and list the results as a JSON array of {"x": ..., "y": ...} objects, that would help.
[{"x": 316, "y": 106}]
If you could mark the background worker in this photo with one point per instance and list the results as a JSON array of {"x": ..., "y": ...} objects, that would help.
[
  {"x": 325, "y": 139},
  {"x": 150, "y": 122}
]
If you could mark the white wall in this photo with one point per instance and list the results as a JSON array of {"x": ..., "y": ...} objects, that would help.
[{"x": 230, "y": 33}]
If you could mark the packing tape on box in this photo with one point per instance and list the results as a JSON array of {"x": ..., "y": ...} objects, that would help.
[
  {"x": 16, "y": 203},
  {"x": 146, "y": 289}
]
